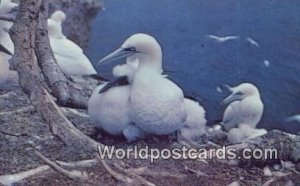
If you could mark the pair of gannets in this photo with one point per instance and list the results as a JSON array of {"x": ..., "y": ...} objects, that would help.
[
  {"x": 69, "y": 56},
  {"x": 243, "y": 113},
  {"x": 150, "y": 103},
  {"x": 8, "y": 78}
]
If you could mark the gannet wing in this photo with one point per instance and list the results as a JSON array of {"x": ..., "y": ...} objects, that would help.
[{"x": 231, "y": 116}]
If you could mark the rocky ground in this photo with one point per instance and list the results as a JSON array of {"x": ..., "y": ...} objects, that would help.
[{"x": 22, "y": 130}]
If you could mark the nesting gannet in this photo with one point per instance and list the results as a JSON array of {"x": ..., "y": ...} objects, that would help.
[
  {"x": 69, "y": 56},
  {"x": 252, "y": 42},
  {"x": 244, "y": 132},
  {"x": 195, "y": 124},
  {"x": 222, "y": 39},
  {"x": 245, "y": 106},
  {"x": 156, "y": 103},
  {"x": 6, "y": 6},
  {"x": 6, "y": 75},
  {"x": 109, "y": 110}
]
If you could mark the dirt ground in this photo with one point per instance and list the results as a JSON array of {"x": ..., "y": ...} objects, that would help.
[{"x": 22, "y": 130}]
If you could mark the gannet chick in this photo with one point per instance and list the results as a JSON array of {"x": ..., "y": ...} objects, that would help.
[
  {"x": 195, "y": 124},
  {"x": 244, "y": 132},
  {"x": 156, "y": 103},
  {"x": 110, "y": 110},
  {"x": 69, "y": 56},
  {"x": 245, "y": 106}
]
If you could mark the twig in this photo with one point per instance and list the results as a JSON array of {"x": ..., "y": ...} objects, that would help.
[
  {"x": 74, "y": 174},
  {"x": 20, "y": 110},
  {"x": 198, "y": 173},
  {"x": 116, "y": 175},
  {"x": 12, "y": 134},
  {"x": 138, "y": 179},
  {"x": 83, "y": 163},
  {"x": 14, "y": 178},
  {"x": 73, "y": 111}
]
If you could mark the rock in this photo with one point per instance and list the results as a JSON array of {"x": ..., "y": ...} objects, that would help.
[{"x": 79, "y": 13}]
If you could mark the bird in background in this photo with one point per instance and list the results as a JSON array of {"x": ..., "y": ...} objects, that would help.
[
  {"x": 8, "y": 78},
  {"x": 244, "y": 105},
  {"x": 69, "y": 55},
  {"x": 222, "y": 39},
  {"x": 6, "y": 7},
  {"x": 157, "y": 105},
  {"x": 253, "y": 42}
]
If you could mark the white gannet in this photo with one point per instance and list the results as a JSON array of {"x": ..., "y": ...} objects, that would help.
[
  {"x": 156, "y": 103},
  {"x": 8, "y": 77},
  {"x": 222, "y": 39},
  {"x": 195, "y": 124},
  {"x": 109, "y": 110},
  {"x": 6, "y": 6},
  {"x": 69, "y": 56},
  {"x": 245, "y": 106},
  {"x": 253, "y": 42},
  {"x": 244, "y": 132}
]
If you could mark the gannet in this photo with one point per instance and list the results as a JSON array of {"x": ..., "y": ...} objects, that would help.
[
  {"x": 156, "y": 103},
  {"x": 222, "y": 39},
  {"x": 8, "y": 78},
  {"x": 245, "y": 106},
  {"x": 6, "y": 6},
  {"x": 69, "y": 56},
  {"x": 252, "y": 42},
  {"x": 109, "y": 110},
  {"x": 195, "y": 124},
  {"x": 244, "y": 132}
]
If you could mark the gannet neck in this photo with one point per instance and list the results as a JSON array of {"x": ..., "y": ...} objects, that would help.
[{"x": 150, "y": 62}]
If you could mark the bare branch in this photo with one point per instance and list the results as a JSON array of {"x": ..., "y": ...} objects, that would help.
[
  {"x": 74, "y": 174},
  {"x": 15, "y": 178},
  {"x": 116, "y": 175},
  {"x": 25, "y": 60}
]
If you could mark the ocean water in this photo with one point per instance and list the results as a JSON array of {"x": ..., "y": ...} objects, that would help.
[{"x": 198, "y": 64}]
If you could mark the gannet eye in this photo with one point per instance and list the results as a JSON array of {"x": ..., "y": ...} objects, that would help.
[{"x": 130, "y": 49}]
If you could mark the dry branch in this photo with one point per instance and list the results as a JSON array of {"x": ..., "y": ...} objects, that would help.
[
  {"x": 74, "y": 174},
  {"x": 30, "y": 79}
]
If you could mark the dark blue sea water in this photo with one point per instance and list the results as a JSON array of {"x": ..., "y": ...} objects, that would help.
[{"x": 198, "y": 64}]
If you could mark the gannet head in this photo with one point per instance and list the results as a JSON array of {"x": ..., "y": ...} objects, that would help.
[
  {"x": 142, "y": 46},
  {"x": 58, "y": 16},
  {"x": 6, "y": 6},
  {"x": 54, "y": 24},
  {"x": 240, "y": 92}
]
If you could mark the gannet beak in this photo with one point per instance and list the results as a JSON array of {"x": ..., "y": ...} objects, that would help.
[
  {"x": 5, "y": 50},
  {"x": 120, "y": 81},
  {"x": 235, "y": 96},
  {"x": 118, "y": 54}
]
